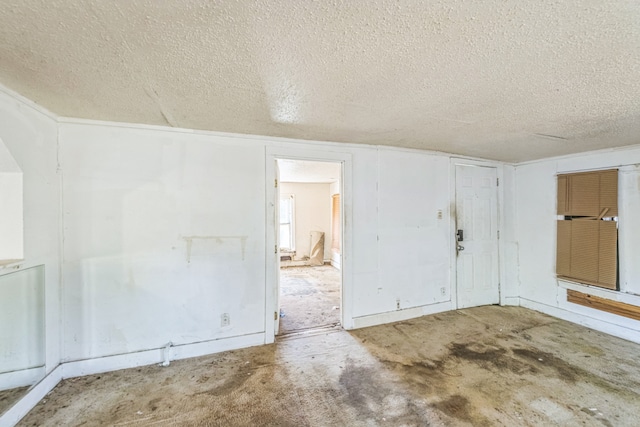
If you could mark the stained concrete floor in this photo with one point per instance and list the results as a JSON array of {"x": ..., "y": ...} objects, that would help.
[
  {"x": 483, "y": 366},
  {"x": 9, "y": 397},
  {"x": 309, "y": 297}
]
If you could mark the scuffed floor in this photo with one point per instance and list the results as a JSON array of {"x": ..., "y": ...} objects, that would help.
[
  {"x": 9, "y": 397},
  {"x": 483, "y": 366},
  {"x": 309, "y": 297}
]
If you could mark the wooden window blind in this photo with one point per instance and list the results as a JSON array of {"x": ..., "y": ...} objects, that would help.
[
  {"x": 587, "y": 237},
  {"x": 588, "y": 193}
]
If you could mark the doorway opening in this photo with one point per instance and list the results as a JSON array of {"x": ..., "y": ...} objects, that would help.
[{"x": 310, "y": 244}]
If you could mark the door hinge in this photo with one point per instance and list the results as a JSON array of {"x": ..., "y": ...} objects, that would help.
[
  {"x": 275, "y": 183},
  {"x": 275, "y": 315},
  {"x": 275, "y": 249},
  {"x": 498, "y": 234},
  {"x": 497, "y": 182}
]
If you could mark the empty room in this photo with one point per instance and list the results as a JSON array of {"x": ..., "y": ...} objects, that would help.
[{"x": 319, "y": 213}]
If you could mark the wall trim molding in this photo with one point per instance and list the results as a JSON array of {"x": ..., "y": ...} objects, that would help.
[
  {"x": 21, "y": 378},
  {"x": 584, "y": 320},
  {"x": 98, "y": 365},
  {"x": 80, "y": 368},
  {"x": 308, "y": 143},
  {"x": 400, "y": 315},
  {"x": 22, "y": 407},
  {"x": 510, "y": 301}
]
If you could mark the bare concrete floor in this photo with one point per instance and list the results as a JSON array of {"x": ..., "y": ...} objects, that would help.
[
  {"x": 483, "y": 366},
  {"x": 309, "y": 297},
  {"x": 9, "y": 397}
]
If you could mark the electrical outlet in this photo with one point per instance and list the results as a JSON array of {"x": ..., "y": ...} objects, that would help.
[
  {"x": 225, "y": 320},
  {"x": 443, "y": 291},
  {"x": 397, "y": 304}
]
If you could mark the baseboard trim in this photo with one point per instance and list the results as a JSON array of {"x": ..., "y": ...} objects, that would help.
[
  {"x": 99, "y": 365},
  {"x": 399, "y": 315},
  {"x": 511, "y": 301},
  {"x": 21, "y": 378},
  {"x": 22, "y": 407},
  {"x": 581, "y": 319}
]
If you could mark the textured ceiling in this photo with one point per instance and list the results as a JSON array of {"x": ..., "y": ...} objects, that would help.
[{"x": 508, "y": 80}]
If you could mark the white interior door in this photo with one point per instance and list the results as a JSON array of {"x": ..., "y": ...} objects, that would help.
[
  {"x": 276, "y": 204},
  {"x": 477, "y": 236}
]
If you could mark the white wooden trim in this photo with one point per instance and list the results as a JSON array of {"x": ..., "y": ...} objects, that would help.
[
  {"x": 399, "y": 315},
  {"x": 21, "y": 378},
  {"x": 584, "y": 320},
  {"x": 274, "y": 152},
  {"x": 149, "y": 357},
  {"x": 22, "y": 407},
  {"x": 455, "y": 161}
]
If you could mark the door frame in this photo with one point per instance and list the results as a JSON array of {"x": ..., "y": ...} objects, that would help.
[
  {"x": 458, "y": 161},
  {"x": 274, "y": 153}
]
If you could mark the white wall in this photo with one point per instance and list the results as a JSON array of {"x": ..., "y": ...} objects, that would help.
[
  {"x": 536, "y": 236},
  {"x": 510, "y": 286},
  {"x": 158, "y": 244},
  {"x": 30, "y": 136},
  {"x": 164, "y": 232},
  {"x": 11, "y": 210},
  {"x": 413, "y": 248},
  {"x": 312, "y": 209}
]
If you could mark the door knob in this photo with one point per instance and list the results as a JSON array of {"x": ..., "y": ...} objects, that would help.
[{"x": 460, "y": 248}]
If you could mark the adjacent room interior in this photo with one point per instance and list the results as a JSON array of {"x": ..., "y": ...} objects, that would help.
[
  {"x": 310, "y": 242},
  {"x": 268, "y": 213}
]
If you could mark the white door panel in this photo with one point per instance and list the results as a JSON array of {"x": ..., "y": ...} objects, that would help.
[{"x": 476, "y": 215}]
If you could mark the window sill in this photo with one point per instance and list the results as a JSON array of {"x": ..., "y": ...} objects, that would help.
[{"x": 600, "y": 292}]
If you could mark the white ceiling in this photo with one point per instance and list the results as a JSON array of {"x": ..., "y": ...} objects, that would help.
[
  {"x": 307, "y": 171},
  {"x": 502, "y": 79}
]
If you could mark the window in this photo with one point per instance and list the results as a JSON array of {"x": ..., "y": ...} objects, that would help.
[
  {"x": 287, "y": 238},
  {"x": 587, "y": 232}
]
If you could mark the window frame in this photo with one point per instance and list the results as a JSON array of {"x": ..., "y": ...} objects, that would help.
[
  {"x": 292, "y": 220},
  {"x": 586, "y": 241}
]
